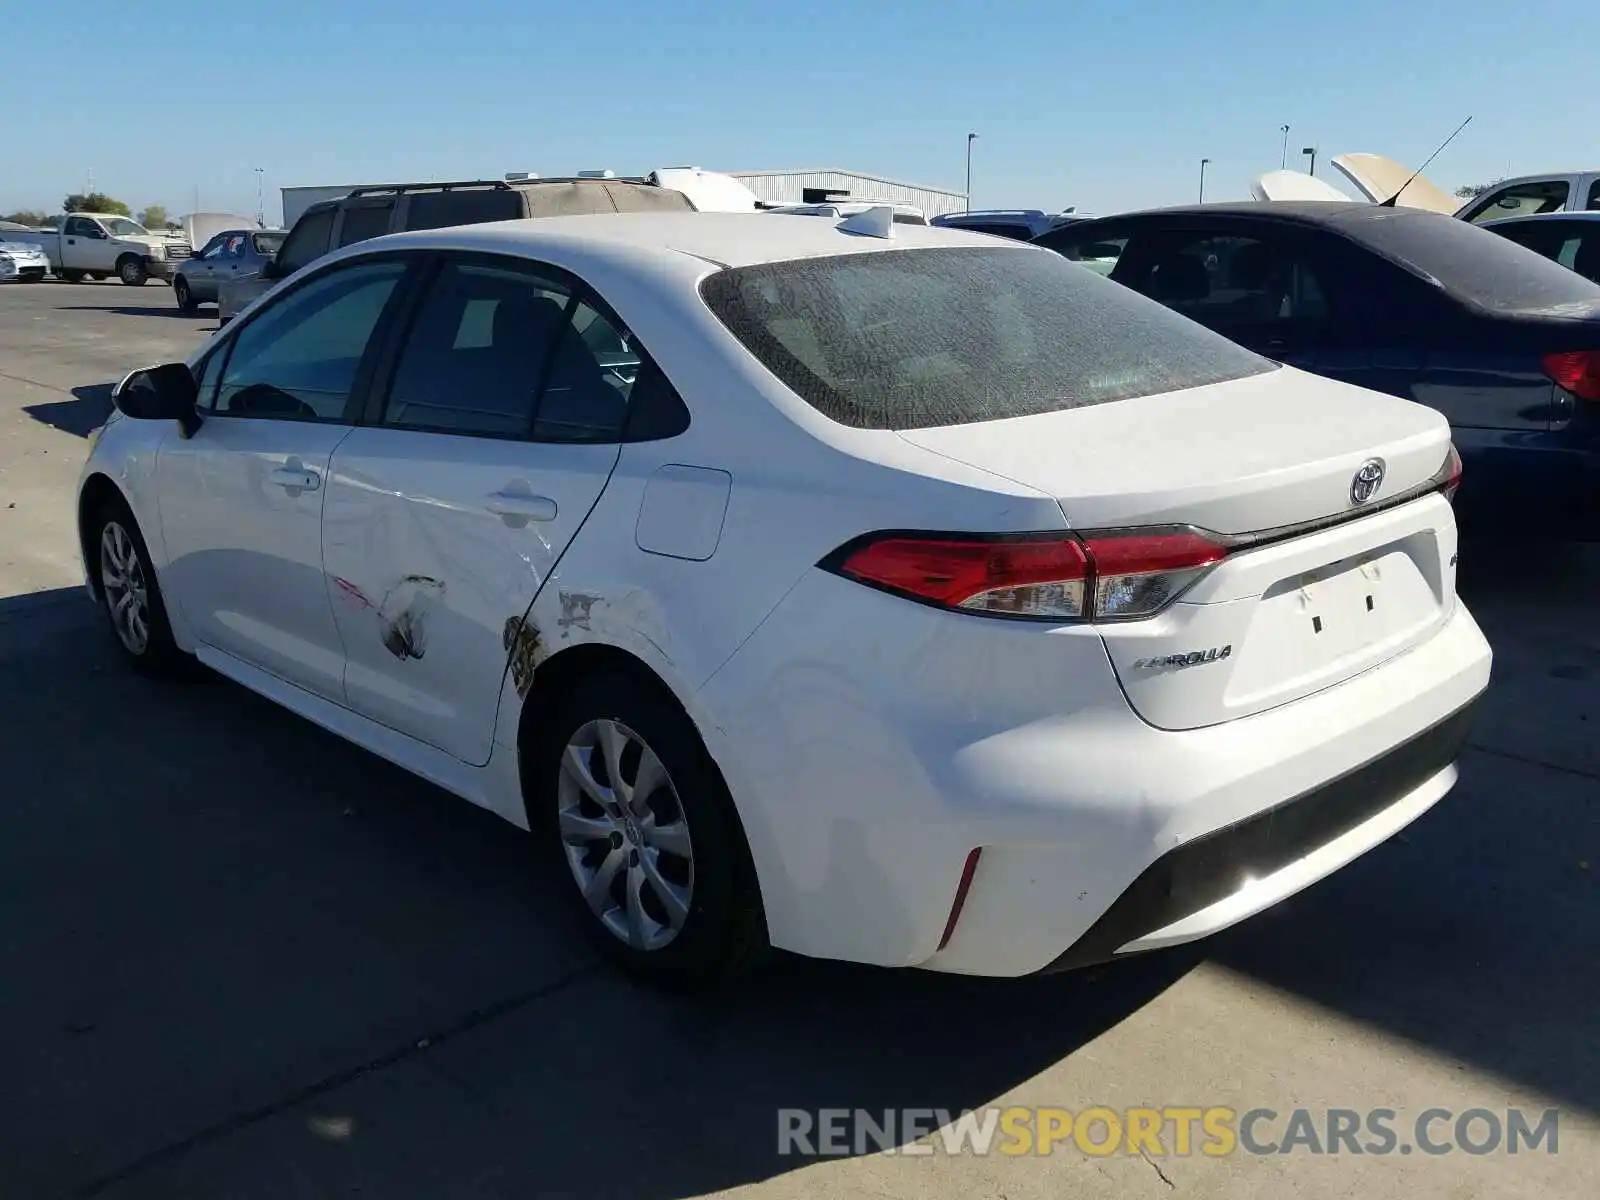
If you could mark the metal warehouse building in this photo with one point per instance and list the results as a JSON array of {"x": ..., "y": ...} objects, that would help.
[
  {"x": 770, "y": 187},
  {"x": 830, "y": 183}
]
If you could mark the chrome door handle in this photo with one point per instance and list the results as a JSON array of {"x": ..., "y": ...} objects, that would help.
[
  {"x": 294, "y": 478},
  {"x": 518, "y": 508}
]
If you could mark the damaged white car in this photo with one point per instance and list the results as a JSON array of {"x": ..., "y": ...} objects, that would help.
[{"x": 873, "y": 591}]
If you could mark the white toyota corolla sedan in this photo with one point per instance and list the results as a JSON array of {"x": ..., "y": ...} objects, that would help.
[{"x": 871, "y": 591}]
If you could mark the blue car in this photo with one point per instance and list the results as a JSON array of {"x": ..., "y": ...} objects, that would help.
[{"x": 1501, "y": 340}]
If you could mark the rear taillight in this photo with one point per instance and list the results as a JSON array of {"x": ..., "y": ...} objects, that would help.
[
  {"x": 1116, "y": 576},
  {"x": 1450, "y": 474},
  {"x": 1576, "y": 370}
]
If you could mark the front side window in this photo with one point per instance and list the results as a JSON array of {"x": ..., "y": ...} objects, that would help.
[
  {"x": 213, "y": 248},
  {"x": 307, "y": 242},
  {"x": 363, "y": 222},
  {"x": 297, "y": 360},
  {"x": 908, "y": 339},
  {"x": 1522, "y": 200},
  {"x": 1594, "y": 196}
]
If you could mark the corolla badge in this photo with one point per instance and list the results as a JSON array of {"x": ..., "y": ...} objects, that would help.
[
  {"x": 1191, "y": 658},
  {"x": 1367, "y": 480}
]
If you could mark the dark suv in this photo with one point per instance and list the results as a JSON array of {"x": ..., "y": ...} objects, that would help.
[{"x": 370, "y": 212}]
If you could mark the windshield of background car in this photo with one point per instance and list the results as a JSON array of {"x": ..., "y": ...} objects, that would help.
[
  {"x": 267, "y": 244},
  {"x": 908, "y": 339},
  {"x": 125, "y": 228},
  {"x": 1476, "y": 265}
]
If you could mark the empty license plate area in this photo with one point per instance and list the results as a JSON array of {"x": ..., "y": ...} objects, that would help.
[{"x": 1318, "y": 627}]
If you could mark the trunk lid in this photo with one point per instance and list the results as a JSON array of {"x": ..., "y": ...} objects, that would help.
[
  {"x": 1238, "y": 457},
  {"x": 1318, "y": 599}
]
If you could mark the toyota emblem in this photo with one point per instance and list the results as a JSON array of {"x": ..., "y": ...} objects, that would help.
[{"x": 1367, "y": 480}]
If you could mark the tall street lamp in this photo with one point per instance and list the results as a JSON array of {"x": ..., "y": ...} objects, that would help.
[
  {"x": 1203, "y": 163},
  {"x": 1284, "y": 161},
  {"x": 1311, "y": 153},
  {"x": 261, "y": 211},
  {"x": 971, "y": 137}
]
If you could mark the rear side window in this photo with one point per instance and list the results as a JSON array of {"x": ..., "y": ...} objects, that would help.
[
  {"x": 307, "y": 242},
  {"x": 1475, "y": 265},
  {"x": 437, "y": 210},
  {"x": 363, "y": 222},
  {"x": 907, "y": 339}
]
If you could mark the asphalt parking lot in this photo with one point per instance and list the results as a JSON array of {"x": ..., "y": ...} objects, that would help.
[{"x": 239, "y": 958}]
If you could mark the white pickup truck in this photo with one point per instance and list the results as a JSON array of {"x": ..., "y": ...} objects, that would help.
[{"x": 97, "y": 245}]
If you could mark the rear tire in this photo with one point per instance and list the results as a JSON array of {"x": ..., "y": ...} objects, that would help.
[
  {"x": 132, "y": 272},
  {"x": 662, "y": 881},
  {"x": 130, "y": 595},
  {"x": 185, "y": 298}
]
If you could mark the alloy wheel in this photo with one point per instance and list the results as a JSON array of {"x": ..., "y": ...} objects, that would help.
[
  {"x": 625, "y": 835},
  {"x": 122, "y": 580}
]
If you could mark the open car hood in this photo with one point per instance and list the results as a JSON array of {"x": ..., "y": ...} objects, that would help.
[
  {"x": 1377, "y": 178},
  {"x": 199, "y": 228}
]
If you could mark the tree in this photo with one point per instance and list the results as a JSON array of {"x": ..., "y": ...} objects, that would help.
[
  {"x": 153, "y": 217},
  {"x": 97, "y": 202},
  {"x": 1472, "y": 191},
  {"x": 27, "y": 217}
]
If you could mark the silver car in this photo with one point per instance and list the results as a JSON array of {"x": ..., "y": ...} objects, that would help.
[{"x": 230, "y": 255}]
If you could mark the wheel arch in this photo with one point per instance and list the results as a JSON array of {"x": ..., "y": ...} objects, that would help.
[
  {"x": 560, "y": 672},
  {"x": 97, "y": 493}
]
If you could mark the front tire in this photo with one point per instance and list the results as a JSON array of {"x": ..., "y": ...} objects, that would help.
[
  {"x": 130, "y": 595},
  {"x": 625, "y": 795},
  {"x": 131, "y": 271},
  {"x": 184, "y": 297}
]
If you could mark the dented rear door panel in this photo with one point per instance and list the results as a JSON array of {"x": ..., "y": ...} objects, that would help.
[{"x": 435, "y": 546}]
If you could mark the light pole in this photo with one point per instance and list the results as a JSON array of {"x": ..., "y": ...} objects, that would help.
[
  {"x": 1203, "y": 163},
  {"x": 1311, "y": 153},
  {"x": 261, "y": 212},
  {"x": 971, "y": 137},
  {"x": 1284, "y": 161}
]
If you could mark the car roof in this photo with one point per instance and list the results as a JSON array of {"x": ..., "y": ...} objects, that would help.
[{"x": 724, "y": 239}]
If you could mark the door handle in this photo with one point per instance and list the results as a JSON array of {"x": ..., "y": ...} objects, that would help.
[
  {"x": 518, "y": 508},
  {"x": 296, "y": 478}
]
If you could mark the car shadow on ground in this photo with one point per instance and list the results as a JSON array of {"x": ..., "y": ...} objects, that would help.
[
  {"x": 1472, "y": 934},
  {"x": 164, "y": 310},
  {"x": 82, "y": 415},
  {"x": 242, "y": 950}
]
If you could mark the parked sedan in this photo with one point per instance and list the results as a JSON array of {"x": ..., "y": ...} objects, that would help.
[
  {"x": 1501, "y": 340},
  {"x": 905, "y": 595},
  {"x": 1571, "y": 239},
  {"x": 229, "y": 256},
  {"x": 22, "y": 261}
]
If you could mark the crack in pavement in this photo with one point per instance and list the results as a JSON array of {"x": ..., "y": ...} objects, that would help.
[
  {"x": 1145, "y": 1154},
  {"x": 475, "y": 1019},
  {"x": 1531, "y": 761}
]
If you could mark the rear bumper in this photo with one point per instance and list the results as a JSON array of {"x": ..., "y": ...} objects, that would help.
[
  {"x": 867, "y": 769},
  {"x": 1223, "y": 876}
]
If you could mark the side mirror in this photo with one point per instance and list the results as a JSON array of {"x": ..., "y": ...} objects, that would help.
[
  {"x": 271, "y": 270},
  {"x": 164, "y": 393},
  {"x": 98, "y": 234}
]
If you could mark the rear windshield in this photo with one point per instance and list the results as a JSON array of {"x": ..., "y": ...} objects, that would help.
[
  {"x": 907, "y": 339},
  {"x": 1475, "y": 264}
]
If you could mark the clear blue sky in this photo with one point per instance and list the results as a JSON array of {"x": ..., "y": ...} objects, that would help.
[{"x": 1105, "y": 105}]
